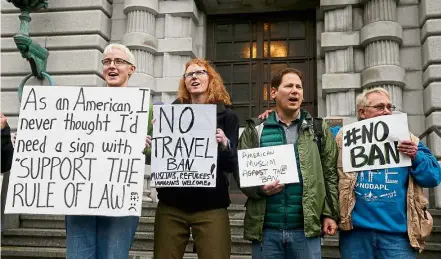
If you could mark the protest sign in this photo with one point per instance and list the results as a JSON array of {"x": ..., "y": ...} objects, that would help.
[
  {"x": 373, "y": 143},
  {"x": 260, "y": 166},
  {"x": 79, "y": 151},
  {"x": 184, "y": 147}
]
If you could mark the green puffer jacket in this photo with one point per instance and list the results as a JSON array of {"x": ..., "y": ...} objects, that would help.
[
  {"x": 319, "y": 173},
  {"x": 284, "y": 209}
]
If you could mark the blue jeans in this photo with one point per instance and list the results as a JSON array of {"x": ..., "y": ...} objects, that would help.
[
  {"x": 369, "y": 244},
  {"x": 286, "y": 244},
  {"x": 96, "y": 237}
]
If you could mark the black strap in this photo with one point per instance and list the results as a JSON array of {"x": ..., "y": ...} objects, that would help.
[{"x": 318, "y": 132}]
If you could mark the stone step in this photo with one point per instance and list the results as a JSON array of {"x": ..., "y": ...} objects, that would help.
[
  {"x": 329, "y": 251},
  {"x": 56, "y": 238},
  {"x": 143, "y": 241},
  {"x": 51, "y": 252},
  {"x": 436, "y": 215},
  {"x": 146, "y": 224},
  {"x": 17, "y": 252}
]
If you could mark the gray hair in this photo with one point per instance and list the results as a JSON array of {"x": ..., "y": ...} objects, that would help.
[
  {"x": 361, "y": 100},
  {"x": 123, "y": 49}
]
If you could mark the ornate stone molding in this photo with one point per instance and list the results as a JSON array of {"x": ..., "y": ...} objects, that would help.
[
  {"x": 383, "y": 52},
  {"x": 380, "y": 10},
  {"x": 382, "y": 75},
  {"x": 339, "y": 19},
  {"x": 381, "y": 30},
  {"x": 340, "y": 61}
]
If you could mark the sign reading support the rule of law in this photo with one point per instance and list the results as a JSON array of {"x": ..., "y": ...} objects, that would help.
[
  {"x": 184, "y": 147},
  {"x": 260, "y": 166},
  {"x": 373, "y": 143},
  {"x": 79, "y": 151}
]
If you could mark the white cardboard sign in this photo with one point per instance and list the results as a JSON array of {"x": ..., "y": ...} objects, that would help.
[
  {"x": 79, "y": 151},
  {"x": 184, "y": 147},
  {"x": 260, "y": 166},
  {"x": 373, "y": 143}
]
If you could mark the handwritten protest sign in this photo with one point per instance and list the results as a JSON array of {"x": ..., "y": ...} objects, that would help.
[
  {"x": 260, "y": 166},
  {"x": 79, "y": 151},
  {"x": 373, "y": 143},
  {"x": 184, "y": 147}
]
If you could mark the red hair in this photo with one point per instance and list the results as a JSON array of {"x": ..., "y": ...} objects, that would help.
[{"x": 216, "y": 91}]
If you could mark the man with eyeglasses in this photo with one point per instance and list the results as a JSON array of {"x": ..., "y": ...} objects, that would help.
[{"x": 391, "y": 221}]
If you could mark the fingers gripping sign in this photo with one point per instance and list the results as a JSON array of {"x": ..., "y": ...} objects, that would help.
[
  {"x": 272, "y": 188},
  {"x": 408, "y": 148},
  {"x": 221, "y": 138}
]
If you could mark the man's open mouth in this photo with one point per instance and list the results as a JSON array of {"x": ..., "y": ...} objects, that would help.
[{"x": 294, "y": 99}]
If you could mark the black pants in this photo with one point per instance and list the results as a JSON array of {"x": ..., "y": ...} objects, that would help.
[{"x": 5, "y": 184}]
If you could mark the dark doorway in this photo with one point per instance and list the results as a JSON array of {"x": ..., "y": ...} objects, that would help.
[{"x": 247, "y": 50}]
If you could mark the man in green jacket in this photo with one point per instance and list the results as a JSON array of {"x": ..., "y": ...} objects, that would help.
[{"x": 286, "y": 221}]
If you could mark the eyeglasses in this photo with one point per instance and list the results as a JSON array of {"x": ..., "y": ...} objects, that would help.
[
  {"x": 117, "y": 61},
  {"x": 197, "y": 73},
  {"x": 382, "y": 107}
]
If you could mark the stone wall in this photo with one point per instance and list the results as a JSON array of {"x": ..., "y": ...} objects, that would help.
[
  {"x": 368, "y": 43},
  {"x": 341, "y": 57},
  {"x": 411, "y": 61},
  {"x": 74, "y": 32},
  {"x": 162, "y": 34},
  {"x": 430, "y": 23},
  {"x": 395, "y": 44}
]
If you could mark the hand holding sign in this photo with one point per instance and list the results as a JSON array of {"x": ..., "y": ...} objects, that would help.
[
  {"x": 408, "y": 148},
  {"x": 221, "y": 138},
  {"x": 148, "y": 141},
  {"x": 272, "y": 188}
]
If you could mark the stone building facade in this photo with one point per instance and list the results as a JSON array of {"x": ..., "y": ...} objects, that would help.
[{"x": 348, "y": 45}]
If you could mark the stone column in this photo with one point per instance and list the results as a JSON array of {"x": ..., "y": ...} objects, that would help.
[
  {"x": 140, "y": 38},
  {"x": 343, "y": 57},
  {"x": 381, "y": 36},
  {"x": 431, "y": 50}
]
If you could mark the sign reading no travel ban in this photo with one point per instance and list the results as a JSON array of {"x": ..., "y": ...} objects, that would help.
[{"x": 184, "y": 147}]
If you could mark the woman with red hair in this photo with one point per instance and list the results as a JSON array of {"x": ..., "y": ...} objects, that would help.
[{"x": 203, "y": 210}]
